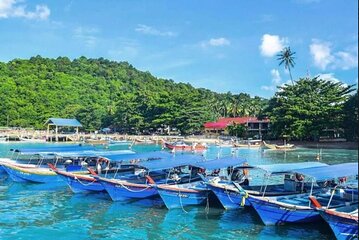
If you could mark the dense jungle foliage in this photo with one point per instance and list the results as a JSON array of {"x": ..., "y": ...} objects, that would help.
[
  {"x": 312, "y": 108},
  {"x": 102, "y": 93}
]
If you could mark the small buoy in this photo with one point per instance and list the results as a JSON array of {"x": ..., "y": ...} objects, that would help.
[{"x": 318, "y": 157}]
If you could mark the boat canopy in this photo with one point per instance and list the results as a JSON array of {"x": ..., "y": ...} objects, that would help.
[
  {"x": 96, "y": 153},
  {"x": 63, "y": 122},
  {"x": 175, "y": 161},
  {"x": 139, "y": 156},
  {"x": 220, "y": 163},
  {"x": 331, "y": 171},
  {"x": 32, "y": 151},
  {"x": 281, "y": 168}
]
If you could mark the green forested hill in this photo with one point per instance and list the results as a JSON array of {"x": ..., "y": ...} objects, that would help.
[{"x": 103, "y": 93}]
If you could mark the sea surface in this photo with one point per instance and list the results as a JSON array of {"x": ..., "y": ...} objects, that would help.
[{"x": 35, "y": 211}]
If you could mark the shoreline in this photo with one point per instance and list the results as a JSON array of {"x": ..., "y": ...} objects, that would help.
[
  {"x": 328, "y": 145},
  {"x": 323, "y": 145},
  {"x": 189, "y": 139}
]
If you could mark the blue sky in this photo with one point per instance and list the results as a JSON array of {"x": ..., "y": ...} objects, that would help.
[{"x": 222, "y": 46}]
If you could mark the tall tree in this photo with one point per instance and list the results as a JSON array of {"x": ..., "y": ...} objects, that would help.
[
  {"x": 350, "y": 121},
  {"x": 305, "y": 109},
  {"x": 286, "y": 57}
]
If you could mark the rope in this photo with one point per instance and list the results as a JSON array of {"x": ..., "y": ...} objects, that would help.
[
  {"x": 180, "y": 197},
  {"x": 225, "y": 188},
  {"x": 85, "y": 184},
  {"x": 206, "y": 209},
  {"x": 311, "y": 191},
  {"x": 128, "y": 189},
  {"x": 116, "y": 173},
  {"x": 265, "y": 188}
]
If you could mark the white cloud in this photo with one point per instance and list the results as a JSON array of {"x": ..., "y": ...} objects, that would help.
[
  {"x": 276, "y": 80},
  {"x": 275, "y": 76},
  {"x": 215, "y": 42},
  {"x": 219, "y": 42},
  {"x": 347, "y": 59},
  {"x": 148, "y": 30},
  {"x": 13, "y": 8},
  {"x": 86, "y": 34},
  {"x": 321, "y": 53},
  {"x": 272, "y": 44},
  {"x": 328, "y": 77},
  {"x": 323, "y": 56},
  {"x": 268, "y": 88}
]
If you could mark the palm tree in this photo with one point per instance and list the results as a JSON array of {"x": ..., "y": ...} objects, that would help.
[
  {"x": 286, "y": 56},
  {"x": 234, "y": 106}
]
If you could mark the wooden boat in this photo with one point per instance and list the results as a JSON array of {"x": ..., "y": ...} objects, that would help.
[
  {"x": 122, "y": 190},
  {"x": 139, "y": 188},
  {"x": 270, "y": 146},
  {"x": 249, "y": 144},
  {"x": 87, "y": 183},
  {"x": 3, "y": 139},
  {"x": 32, "y": 140},
  {"x": 73, "y": 159},
  {"x": 144, "y": 141},
  {"x": 118, "y": 142},
  {"x": 284, "y": 147},
  {"x": 13, "y": 162},
  {"x": 343, "y": 221},
  {"x": 40, "y": 156},
  {"x": 298, "y": 208},
  {"x": 194, "y": 191},
  {"x": 34, "y": 175},
  {"x": 181, "y": 146},
  {"x": 185, "y": 194},
  {"x": 279, "y": 147},
  {"x": 224, "y": 144},
  {"x": 232, "y": 193},
  {"x": 97, "y": 141}
]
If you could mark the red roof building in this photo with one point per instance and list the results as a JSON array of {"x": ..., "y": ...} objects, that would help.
[{"x": 253, "y": 124}]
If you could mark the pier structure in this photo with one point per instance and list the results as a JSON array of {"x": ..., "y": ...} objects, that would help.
[{"x": 62, "y": 122}]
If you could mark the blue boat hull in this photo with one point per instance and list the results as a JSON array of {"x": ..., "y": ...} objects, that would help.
[
  {"x": 121, "y": 192},
  {"x": 81, "y": 185},
  {"x": 2, "y": 170},
  {"x": 342, "y": 227},
  {"x": 14, "y": 176},
  {"x": 19, "y": 176},
  {"x": 229, "y": 199},
  {"x": 275, "y": 214},
  {"x": 179, "y": 199}
]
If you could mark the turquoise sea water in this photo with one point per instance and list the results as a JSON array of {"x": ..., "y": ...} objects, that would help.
[{"x": 33, "y": 211}]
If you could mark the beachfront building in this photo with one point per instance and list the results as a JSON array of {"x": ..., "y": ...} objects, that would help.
[
  {"x": 62, "y": 122},
  {"x": 255, "y": 127}
]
